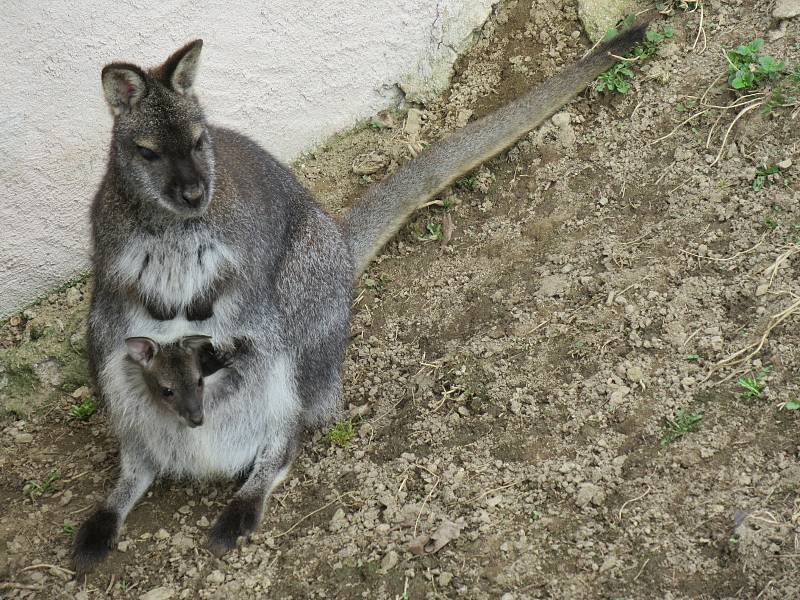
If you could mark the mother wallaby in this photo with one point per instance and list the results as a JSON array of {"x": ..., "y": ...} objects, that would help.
[{"x": 199, "y": 231}]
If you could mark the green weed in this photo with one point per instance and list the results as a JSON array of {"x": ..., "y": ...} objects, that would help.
[
  {"x": 753, "y": 385},
  {"x": 84, "y": 410},
  {"x": 70, "y": 527},
  {"x": 683, "y": 423},
  {"x": 761, "y": 179},
  {"x": 342, "y": 434},
  {"x": 747, "y": 68},
  {"x": 36, "y": 488},
  {"x": 791, "y": 405},
  {"x": 617, "y": 78},
  {"x": 435, "y": 231},
  {"x": 378, "y": 283}
]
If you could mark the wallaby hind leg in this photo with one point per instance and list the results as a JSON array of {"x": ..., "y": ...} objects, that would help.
[
  {"x": 243, "y": 514},
  {"x": 98, "y": 534}
]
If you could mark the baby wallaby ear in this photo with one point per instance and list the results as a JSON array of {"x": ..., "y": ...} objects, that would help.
[
  {"x": 142, "y": 350},
  {"x": 180, "y": 69},
  {"x": 123, "y": 85},
  {"x": 195, "y": 342}
]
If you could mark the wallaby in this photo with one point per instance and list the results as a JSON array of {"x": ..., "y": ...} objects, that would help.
[{"x": 199, "y": 231}]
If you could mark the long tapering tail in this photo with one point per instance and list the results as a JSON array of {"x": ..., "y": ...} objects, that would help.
[{"x": 380, "y": 213}]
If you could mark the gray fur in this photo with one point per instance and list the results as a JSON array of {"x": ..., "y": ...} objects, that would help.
[{"x": 258, "y": 262}]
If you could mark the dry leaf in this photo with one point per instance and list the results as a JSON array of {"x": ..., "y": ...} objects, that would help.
[{"x": 447, "y": 532}]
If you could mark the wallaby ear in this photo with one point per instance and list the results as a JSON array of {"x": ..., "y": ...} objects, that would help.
[
  {"x": 142, "y": 350},
  {"x": 123, "y": 85},
  {"x": 195, "y": 342},
  {"x": 179, "y": 70}
]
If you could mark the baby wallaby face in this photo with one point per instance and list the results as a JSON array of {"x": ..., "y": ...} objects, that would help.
[{"x": 173, "y": 373}]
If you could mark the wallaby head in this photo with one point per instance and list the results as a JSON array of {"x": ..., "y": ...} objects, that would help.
[
  {"x": 161, "y": 147},
  {"x": 173, "y": 373}
]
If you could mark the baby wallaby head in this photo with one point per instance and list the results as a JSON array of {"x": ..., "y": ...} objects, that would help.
[
  {"x": 161, "y": 147},
  {"x": 173, "y": 373}
]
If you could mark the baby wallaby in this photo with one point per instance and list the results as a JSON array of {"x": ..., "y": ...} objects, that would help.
[{"x": 174, "y": 373}]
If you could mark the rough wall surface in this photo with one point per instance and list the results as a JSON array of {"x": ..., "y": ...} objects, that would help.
[{"x": 286, "y": 73}]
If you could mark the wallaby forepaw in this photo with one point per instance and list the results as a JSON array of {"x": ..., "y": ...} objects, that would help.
[
  {"x": 95, "y": 539},
  {"x": 239, "y": 518}
]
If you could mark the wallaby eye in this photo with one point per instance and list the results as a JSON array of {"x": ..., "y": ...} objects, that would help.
[
  {"x": 200, "y": 382},
  {"x": 200, "y": 142},
  {"x": 146, "y": 153},
  {"x": 167, "y": 393}
]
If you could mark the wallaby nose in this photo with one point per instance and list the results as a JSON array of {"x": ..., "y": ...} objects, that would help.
[
  {"x": 195, "y": 419},
  {"x": 193, "y": 194}
]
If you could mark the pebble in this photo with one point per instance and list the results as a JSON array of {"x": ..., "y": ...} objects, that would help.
[
  {"x": 786, "y": 9},
  {"x": 74, "y": 296},
  {"x": 203, "y": 522},
  {"x": 589, "y": 493},
  {"x": 182, "y": 542},
  {"x": 215, "y": 577},
  {"x": 124, "y": 545},
  {"x": 161, "y": 534},
  {"x": 634, "y": 374},
  {"x": 389, "y": 561},
  {"x": 21, "y": 437},
  {"x": 445, "y": 578},
  {"x": 81, "y": 393},
  {"x": 66, "y": 498},
  {"x": 159, "y": 593}
]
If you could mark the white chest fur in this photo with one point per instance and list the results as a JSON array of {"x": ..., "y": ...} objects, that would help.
[{"x": 173, "y": 268}]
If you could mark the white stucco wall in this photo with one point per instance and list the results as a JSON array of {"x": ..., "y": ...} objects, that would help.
[{"x": 288, "y": 73}]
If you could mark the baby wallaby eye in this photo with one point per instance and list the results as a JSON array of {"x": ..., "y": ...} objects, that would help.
[
  {"x": 146, "y": 153},
  {"x": 167, "y": 393}
]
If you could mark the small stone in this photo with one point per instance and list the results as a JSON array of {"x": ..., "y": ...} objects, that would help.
[
  {"x": 786, "y": 9},
  {"x": 762, "y": 289},
  {"x": 785, "y": 164},
  {"x": 634, "y": 374},
  {"x": 162, "y": 534},
  {"x": 552, "y": 285},
  {"x": 338, "y": 521},
  {"x": 589, "y": 493},
  {"x": 21, "y": 437},
  {"x": 66, "y": 498},
  {"x": 215, "y": 577},
  {"x": 202, "y": 522},
  {"x": 462, "y": 118},
  {"x": 82, "y": 595},
  {"x": 81, "y": 393},
  {"x": 159, "y": 593},
  {"x": 561, "y": 119},
  {"x": 773, "y": 35},
  {"x": 389, "y": 561},
  {"x": 182, "y": 542},
  {"x": 445, "y": 578},
  {"x": 185, "y": 509},
  {"x": 74, "y": 296},
  {"x": 413, "y": 123},
  {"x": 124, "y": 545}
]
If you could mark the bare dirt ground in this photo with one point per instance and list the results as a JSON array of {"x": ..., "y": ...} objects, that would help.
[{"x": 511, "y": 391}]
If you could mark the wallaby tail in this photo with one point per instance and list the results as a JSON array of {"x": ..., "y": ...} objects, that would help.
[{"x": 380, "y": 213}]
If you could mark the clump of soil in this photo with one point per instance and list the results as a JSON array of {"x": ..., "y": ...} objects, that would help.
[{"x": 532, "y": 380}]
